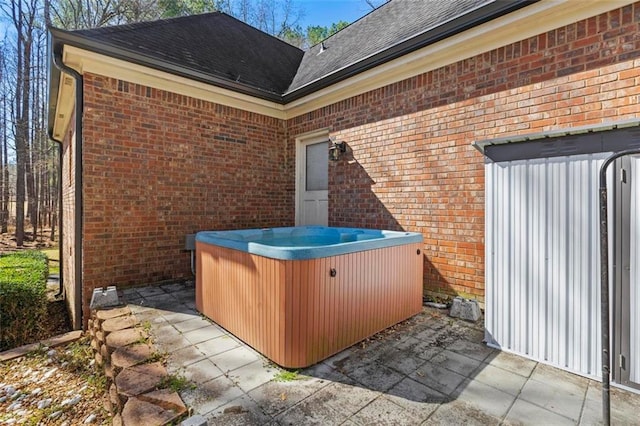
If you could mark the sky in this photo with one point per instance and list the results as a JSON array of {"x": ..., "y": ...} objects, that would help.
[
  {"x": 326, "y": 12},
  {"x": 316, "y": 12}
]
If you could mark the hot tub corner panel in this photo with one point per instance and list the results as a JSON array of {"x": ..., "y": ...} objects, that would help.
[{"x": 297, "y": 312}]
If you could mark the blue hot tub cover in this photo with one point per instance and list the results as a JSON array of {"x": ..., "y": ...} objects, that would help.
[{"x": 306, "y": 242}]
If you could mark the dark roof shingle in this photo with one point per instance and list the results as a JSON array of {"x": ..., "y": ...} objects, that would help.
[
  {"x": 211, "y": 43},
  {"x": 221, "y": 50},
  {"x": 393, "y": 23}
]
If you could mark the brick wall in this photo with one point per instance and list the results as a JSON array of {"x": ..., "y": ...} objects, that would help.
[
  {"x": 158, "y": 166},
  {"x": 411, "y": 164}
]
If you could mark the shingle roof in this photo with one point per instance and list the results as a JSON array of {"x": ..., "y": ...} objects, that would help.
[
  {"x": 392, "y": 23},
  {"x": 211, "y": 43},
  {"x": 221, "y": 50}
]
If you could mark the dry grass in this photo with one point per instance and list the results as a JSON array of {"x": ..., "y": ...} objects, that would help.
[{"x": 59, "y": 377}]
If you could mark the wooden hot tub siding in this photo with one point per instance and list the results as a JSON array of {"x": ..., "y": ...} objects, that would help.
[{"x": 294, "y": 312}]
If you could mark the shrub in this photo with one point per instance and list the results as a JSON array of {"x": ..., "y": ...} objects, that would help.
[{"x": 23, "y": 297}]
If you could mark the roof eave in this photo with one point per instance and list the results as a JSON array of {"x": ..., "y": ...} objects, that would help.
[
  {"x": 485, "y": 144},
  {"x": 458, "y": 25},
  {"x": 61, "y": 38}
]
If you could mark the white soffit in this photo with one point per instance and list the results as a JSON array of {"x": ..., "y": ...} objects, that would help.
[
  {"x": 524, "y": 23},
  {"x": 95, "y": 63},
  {"x": 65, "y": 105},
  {"x": 532, "y": 20}
]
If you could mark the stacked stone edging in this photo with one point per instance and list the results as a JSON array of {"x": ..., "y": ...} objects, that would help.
[{"x": 123, "y": 349}]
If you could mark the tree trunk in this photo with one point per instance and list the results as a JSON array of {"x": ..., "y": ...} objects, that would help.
[
  {"x": 5, "y": 190},
  {"x": 22, "y": 144},
  {"x": 21, "y": 129},
  {"x": 4, "y": 166},
  {"x": 24, "y": 24}
]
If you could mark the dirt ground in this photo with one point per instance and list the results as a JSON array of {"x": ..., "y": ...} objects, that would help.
[
  {"x": 59, "y": 386},
  {"x": 42, "y": 240}
]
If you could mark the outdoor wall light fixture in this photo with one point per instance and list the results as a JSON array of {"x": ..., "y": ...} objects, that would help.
[{"x": 336, "y": 149}]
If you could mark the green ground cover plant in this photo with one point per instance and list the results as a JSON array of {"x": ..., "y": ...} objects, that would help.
[
  {"x": 286, "y": 376},
  {"x": 23, "y": 296}
]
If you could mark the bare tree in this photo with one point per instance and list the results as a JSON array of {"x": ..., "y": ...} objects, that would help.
[
  {"x": 23, "y": 16},
  {"x": 275, "y": 17},
  {"x": 27, "y": 164},
  {"x": 28, "y": 160},
  {"x": 39, "y": 148},
  {"x": 4, "y": 141},
  {"x": 136, "y": 11},
  {"x": 52, "y": 181},
  {"x": 76, "y": 14}
]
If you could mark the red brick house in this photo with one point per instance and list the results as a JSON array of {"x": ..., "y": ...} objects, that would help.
[{"x": 203, "y": 122}]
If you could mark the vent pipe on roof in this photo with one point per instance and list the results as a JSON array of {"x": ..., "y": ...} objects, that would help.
[{"x": 322, "y": 47}]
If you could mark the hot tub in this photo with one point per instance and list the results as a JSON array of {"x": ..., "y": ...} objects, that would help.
[{"x": 301, "y": 294}]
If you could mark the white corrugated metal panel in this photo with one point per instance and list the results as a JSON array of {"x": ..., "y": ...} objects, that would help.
[
  {"x": 542, "y": 260},
  {"x": 634, "y": 293}
]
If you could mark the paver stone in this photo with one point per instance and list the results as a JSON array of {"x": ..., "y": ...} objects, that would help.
[
  {"x": 119, "y": 323},
  {"x": 165, "y": 398},
  {"x": 109, "y": 371},
  {"x": 128, "y": 356},
  {"x": 126, "y": 337},
  {"x": 113, "y": 396},
  {"x": 139, "y": 379},
  {"x": 138, "y": 412},
  {"x": 105, "y": 314},
  {"x": 117, "y": 420}
]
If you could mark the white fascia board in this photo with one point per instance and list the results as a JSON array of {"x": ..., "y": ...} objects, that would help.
[
  {"x": 524, "y": 23},
  {"x": 86, "y": 61}
]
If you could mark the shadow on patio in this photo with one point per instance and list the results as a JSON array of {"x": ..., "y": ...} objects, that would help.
[{"x": 430, "y": 368}]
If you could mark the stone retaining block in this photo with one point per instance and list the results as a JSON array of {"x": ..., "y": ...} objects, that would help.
[
  {"x": 131, "y": 355},
  {"x": 119, "y": 323},
  {"x": 123, "y": 349}
]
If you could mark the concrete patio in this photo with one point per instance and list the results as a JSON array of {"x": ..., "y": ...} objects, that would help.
[{"x": 431, "y": 369}]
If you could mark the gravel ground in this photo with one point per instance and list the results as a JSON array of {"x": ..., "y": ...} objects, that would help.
[{"x": 58, "y": 386}]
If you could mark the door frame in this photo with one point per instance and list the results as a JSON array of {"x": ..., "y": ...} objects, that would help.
[
  {"x": 621, "y": 260},
  {"x": 302, "y": 141}
]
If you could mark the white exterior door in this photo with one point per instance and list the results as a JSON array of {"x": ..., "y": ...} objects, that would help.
[{"x": 312, "y": 183}]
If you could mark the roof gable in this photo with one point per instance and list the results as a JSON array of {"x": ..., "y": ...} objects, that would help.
[
  {"x": 396, "y": 28},
  {"x": 392, "y": 23},
  {"x": 219, "y": 50},
  {"x": 213, "y": 44}
]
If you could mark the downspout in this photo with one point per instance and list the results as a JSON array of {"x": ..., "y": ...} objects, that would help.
[
  {"x": 60, "y": 218},
  {"x": 604, "y": 285},
  {"x": 79, "y": 107}
]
